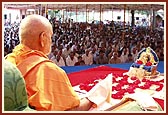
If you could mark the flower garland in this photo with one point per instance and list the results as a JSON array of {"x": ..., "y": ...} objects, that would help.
[{"x": 147, "y": 64}]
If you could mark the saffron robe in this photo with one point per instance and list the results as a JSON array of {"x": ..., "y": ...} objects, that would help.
[{"x": 47, "y": 85}]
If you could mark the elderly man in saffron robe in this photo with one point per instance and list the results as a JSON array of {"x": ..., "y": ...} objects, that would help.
[{"x": 47, "y": 85}]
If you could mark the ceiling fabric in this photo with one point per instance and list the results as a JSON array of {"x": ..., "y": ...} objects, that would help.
[{"x": 89, "y": 7}]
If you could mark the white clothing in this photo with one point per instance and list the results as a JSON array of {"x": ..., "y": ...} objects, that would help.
[
  {"x": 70, "y": 62},
  {"x": 50, "y": 55},
  {"x": 87, "y": 59},
  {"x": 123, "y": 58},
  {"x": 66, "y": 52},
  {"x": 134, "y": 56},
  {"x": 59, "y": 63}
]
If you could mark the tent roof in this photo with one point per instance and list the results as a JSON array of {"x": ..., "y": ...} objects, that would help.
[{"x": 90, "y": 7}]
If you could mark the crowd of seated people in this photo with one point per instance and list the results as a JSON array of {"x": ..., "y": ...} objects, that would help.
[
  {"x": 11, "y": 37},
  {"x": 93, "y": 43}
]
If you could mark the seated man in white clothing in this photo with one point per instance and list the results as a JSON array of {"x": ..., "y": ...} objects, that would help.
[
  {"x": 71, "y": 59},
  {"x": 87, "y": 57},
  {"x": 57, "y": 58}
]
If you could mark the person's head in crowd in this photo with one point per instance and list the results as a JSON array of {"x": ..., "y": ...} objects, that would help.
[
  {"x": 101, "y": 53},
  {"x": 145, "y": 45},
  {"x": 55, "y": 52},
  {"x": 70, "y": 44},
  {"x": 114, "y": 49},
  {"x": 119, "y": 53},
  {"x": 60, "y": 52},
  {"x": 53, "y": 47},
  {"x": 13, "y": 43},
  {"x": 74, "y": 50},
  {"x": 67, "y": 46},
  {"x": 115, "y": 54},
  {"x": 93, "y": 50},
  {"x": 60, "y": 47},
  {"x": 134, "y": 50},
  {"x": 130, "y": 58},
  {"x": 87, "y": 52},
  {"x": 35, "y": 32},
  {"x": 79, "y": 58},
  {"x": 72, "y": 55},
  {"x": 58, "y": 57},
  {"x": 80, "y": 61},
  {"x": 125, "y": 50}
]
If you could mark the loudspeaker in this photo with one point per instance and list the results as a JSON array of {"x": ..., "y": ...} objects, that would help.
[
  {"x": 118, "y": 17},
  {"x": 137, "y": 18},
  {"x": 5, "y": 16},
  {"x": 23, "y": 16}
]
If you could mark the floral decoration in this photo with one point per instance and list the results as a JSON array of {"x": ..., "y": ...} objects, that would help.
[{"x": 123, "y": 84}]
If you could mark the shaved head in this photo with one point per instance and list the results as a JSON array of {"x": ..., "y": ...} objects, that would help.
[{"x": 32, "y": 31}]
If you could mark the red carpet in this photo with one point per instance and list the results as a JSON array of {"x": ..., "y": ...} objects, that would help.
[
  {"x": 91, "y": 74},
  {"x": 100, "y": 72},
  {"x": 160, "y": 102}
]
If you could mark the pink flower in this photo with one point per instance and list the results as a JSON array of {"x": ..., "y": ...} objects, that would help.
[
  {"x": 148, "y": 63},
  {"x": 123, "y": 82},
  {"x": 162, "y": 81},
  {"x": 136, "y": 82},
  {"x": 134, "y": 78},
  {"x": 125, "y": 77},
  {"x": 118, "y": 87},
  {"x": 113, "y": 88},
  {"x": 117, "y": 96},
  {"x": 159, "y": 88},
  {"x": 144, "y": 80},
  {"x": 130, "y": 91},
  {"x": 139, "y": 62},
  {"x": 147, "y": 85},
  {"x": 114, "y": 79}
]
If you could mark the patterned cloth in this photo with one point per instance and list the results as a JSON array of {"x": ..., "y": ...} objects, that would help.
[{"x": 15, "y": 95}]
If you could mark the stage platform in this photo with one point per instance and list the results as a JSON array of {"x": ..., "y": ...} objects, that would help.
[
  {"x": 126, "y": 66},
  {"x": 82, "y": 74}
]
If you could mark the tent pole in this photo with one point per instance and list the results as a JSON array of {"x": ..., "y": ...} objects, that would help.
[
  {"x": 86, "y": 12},
  {"x": 76, "y": 12},
  {"x": 63, "y": 16},
  {"x": 100, "y": 11},
  {"x": 123, "y": 33},
  {"x": 112, "y": 13}
]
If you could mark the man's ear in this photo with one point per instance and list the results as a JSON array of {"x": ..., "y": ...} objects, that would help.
[{"x": 42, "y": 36}]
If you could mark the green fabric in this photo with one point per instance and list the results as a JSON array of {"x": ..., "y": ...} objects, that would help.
[
  {"x": 133, "y": 106},
  {"x": 15, "y": 95}
]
